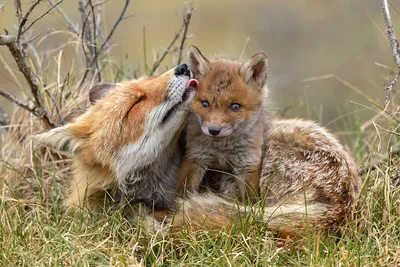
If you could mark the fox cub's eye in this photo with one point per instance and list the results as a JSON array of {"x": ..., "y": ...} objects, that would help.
[
  {"x": 204, "y": 104},
  {"x": 235, "y": 107}
]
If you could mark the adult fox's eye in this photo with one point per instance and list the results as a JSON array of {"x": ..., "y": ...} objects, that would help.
[
  {"x": 204, "y": 104},
  {"x": 235, "y": 107}
]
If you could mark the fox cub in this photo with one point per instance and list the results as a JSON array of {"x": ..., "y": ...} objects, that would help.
[
  {"x": 225, "y": 129},
  {"x": 302, "y": 175}
]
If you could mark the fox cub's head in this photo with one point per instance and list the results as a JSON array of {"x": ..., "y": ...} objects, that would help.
[
  {"x": 128, "y": 123},
  {"x": 230, "y": 94}
]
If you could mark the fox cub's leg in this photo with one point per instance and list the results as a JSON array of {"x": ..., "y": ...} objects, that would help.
[
  {"x": 251, "y": 185},
  {"x": 190, "y": 176}
]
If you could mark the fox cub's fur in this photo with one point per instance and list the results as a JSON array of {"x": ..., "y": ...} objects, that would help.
[
  {"x": 225, "y": 130},
  {"x": 303, "y": 173},
  {"x": 127, "y": 141}
]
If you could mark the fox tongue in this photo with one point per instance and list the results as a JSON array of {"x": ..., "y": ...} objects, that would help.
[
  {"x": 190, "y": 87},
  {"x": 192, "y": 83}
]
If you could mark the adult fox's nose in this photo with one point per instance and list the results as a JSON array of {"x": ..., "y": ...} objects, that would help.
[
  {"x": 182, "y": 69},
  {"x": 214, "y": 130}
]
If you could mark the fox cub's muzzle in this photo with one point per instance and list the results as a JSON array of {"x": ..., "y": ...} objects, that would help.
[{"x": 214, "y": 130}]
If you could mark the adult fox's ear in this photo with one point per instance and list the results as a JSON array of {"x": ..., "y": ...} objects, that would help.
[
  {"x": 66, "y": 139},
  {"x": 197, "y": 63},
  {"x": 99, "y": 90},
  {"x": 255, "y": 70}
]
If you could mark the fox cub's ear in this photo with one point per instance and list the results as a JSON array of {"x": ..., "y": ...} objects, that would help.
[
  {"x": 62, "y": 139},
  {"x": 99, "y": 90},
  {"x": 197, "y": 63},
  {"x": 255, "y": 70}
]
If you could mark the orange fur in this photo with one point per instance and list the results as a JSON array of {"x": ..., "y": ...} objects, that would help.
[
  {"x": 226, "y": 83},
  {"x": 116, "y": 119}
]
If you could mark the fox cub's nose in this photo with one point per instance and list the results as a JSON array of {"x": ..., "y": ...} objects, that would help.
[
  {"x": 214, "y": 130},
  {"x": 182, "y": 69}
]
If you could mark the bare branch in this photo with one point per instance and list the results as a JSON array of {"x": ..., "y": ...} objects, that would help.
[
  {"x": 94, "y": 41},
  {"x": 4, "y": 119},
  {"x": 185, "y": 25},
  {"x": 71, "y": 25},
  {"x": 17, "y": 4},
  {"x": 166, "y": 51},
  {"x": 3, "y": 4},
  {"x": 6, "y": 39},
  {"x": 389, "y": 88},
  {"x": 85, "y": 31},
  {"x": 25, "y": 18},
  {"x": 41, "y": 16},
  {"x": 394, "y": 44},
  {"x": 186, "y": 21},
  {"x": 19, "y": 103},
  {"x": 56, "y": 107},
  {"x": 120, "y": 18},
  {"x": 21, "y": 58}
]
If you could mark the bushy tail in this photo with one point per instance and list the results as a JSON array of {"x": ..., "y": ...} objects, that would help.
[{"x": 209, "y": 211}]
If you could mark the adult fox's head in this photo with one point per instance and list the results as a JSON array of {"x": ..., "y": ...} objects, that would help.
[
  {"x": 231, "y": 93},
  {"x": 129, "y": 124}
]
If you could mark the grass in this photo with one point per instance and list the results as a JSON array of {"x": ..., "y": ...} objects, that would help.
[
  {"x": 45, "y": 235},
  {"x": 36, "y": 230}
]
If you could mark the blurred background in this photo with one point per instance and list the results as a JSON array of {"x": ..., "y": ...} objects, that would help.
[{"x": 326, "y": 58}]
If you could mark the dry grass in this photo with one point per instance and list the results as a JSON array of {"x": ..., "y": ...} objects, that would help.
[{"x": 43, "y": 233}]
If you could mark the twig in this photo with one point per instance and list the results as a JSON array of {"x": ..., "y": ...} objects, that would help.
[
  {"x": 389, "y": 88},
  {"x": 17, "y": 4},
  {"x": 395, "y": 47},
  {"x": 166, "y": 51},
  {"x": 25, "y": 18},
  {"x": 4, "y": 119},
  {"x": 186, "y": 21},
  {"x": 71, "y": 25},
  {"x": 56, "y": 107},
  {"x": 6, "y": 39},
  {"x": 120, "y": 18},
  {"x": 41, "y": 16},
  {"x": 19, "y": 103},
  {"x": 184, "y": 27},
  {"x": 85, "y": 19},
  {"x": 21, "y": 58},
  {"x": 94, "y": 41},
  {"x": 3, "y": 4}
]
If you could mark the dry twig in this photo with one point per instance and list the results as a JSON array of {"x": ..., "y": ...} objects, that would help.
[
  {"x": 19, "y": 103},
  {"x": 4, "y": 119},
  {"x": 19, "y": 52},
  {"x": 25, "y": 18},
  {"x": 186, "y": 21},
  {"x": 41, "y": 16},
  {"x": 94, "y": 60},
  {"x": 3, "y": 4},
  {"x": 71, "y": 25},
  {"x": 187, "y": 15},
  {"x": 395, "y": 47}
]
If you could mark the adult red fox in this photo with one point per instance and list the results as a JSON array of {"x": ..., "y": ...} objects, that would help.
[{"x": 127, "y": 140}]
